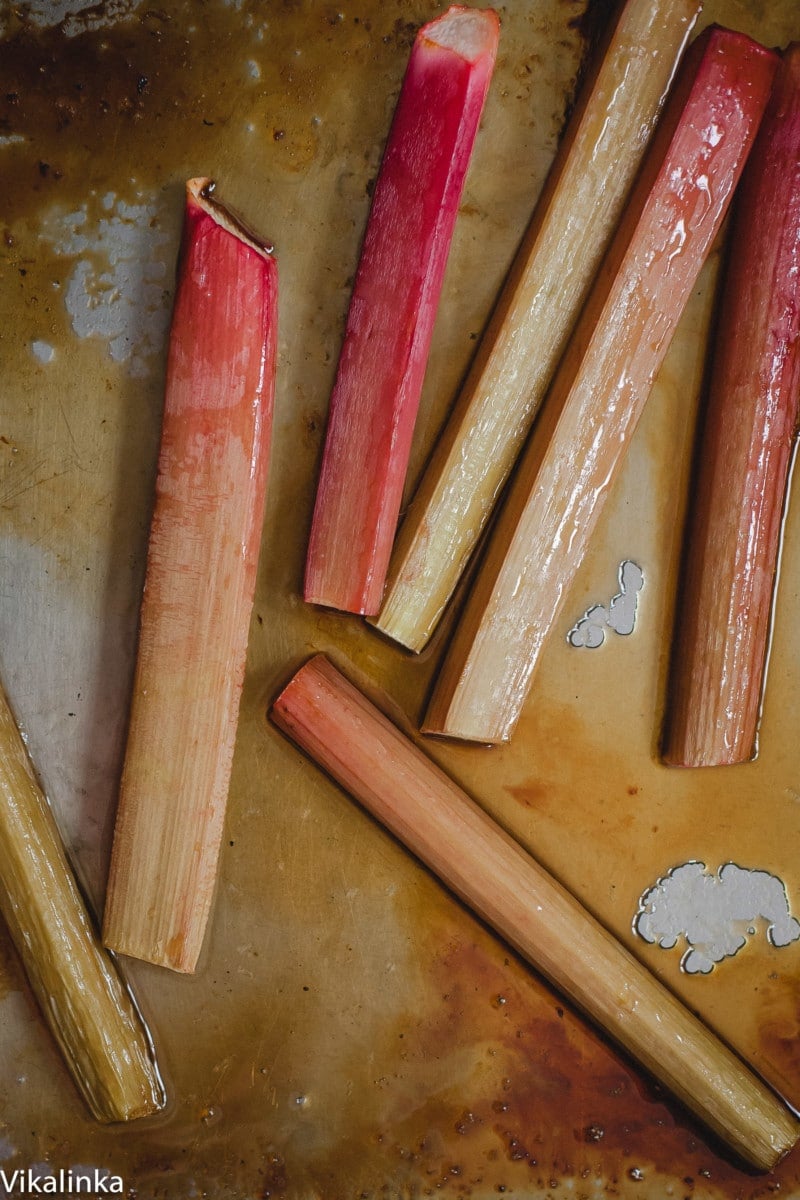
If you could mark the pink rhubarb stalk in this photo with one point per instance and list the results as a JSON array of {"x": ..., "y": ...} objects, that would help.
[
  {"x": 389, "y": 326},
  {"x": 590, "y": 416},
  {"x": 347, "y": 736},
  {"x": 201, "y": 572},
  {"x": 734, "y": 530}
]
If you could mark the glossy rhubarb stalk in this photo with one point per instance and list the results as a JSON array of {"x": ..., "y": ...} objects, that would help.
[
  {"x": 201, "y": 571},
  {"x": 734, "y": 529},
  {"x": 82, "y": 998},
  {"x": 348, "y": 737},
  {"x": 590, "y": 416},
  {"x": 392, "y": 310},
  {"x": 573, "y": 224}
]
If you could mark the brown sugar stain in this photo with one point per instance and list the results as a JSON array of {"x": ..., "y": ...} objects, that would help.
[
  {"x": 548, "y": 1098},
  {"x": 162, "y": 94},
  {"x": 779, "y": 1024}
]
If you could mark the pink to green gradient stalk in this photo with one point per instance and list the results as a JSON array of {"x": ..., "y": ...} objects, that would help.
[
  {"x": 734, "y": 530},
  {"x": 199, "y": 587},
  {"x": 390, "y": 322}
]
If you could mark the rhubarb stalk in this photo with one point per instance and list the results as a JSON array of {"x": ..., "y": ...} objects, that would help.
[
  {"x": 733, "y": 533},
  {"x": 88, "y": 1008},
  {"x": 390, "y": 322},
  {"x": 348, "y": 737},
  {"x": 590, "y": 416},
  {"x": 572, "y": 227},
  {"x": 199, "y": 586}
]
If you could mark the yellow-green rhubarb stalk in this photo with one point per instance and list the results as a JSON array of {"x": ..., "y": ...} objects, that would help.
[{"x": 88, "y": 1008}]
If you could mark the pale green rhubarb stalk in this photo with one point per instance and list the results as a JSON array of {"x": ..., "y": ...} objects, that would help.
[
  {"x": 734, "y": 530},
  {"x": 348, "y": 737},
  {"x": 82, "y": 998},
  {"x": 199, "y": 586},
  {"x": 573, "y": 224},
  {"x": 376, "y": 394},
  {"x": 587, "y": 422}
]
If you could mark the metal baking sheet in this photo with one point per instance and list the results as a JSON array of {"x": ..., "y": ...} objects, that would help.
[{"x": 352, "y": 1031}]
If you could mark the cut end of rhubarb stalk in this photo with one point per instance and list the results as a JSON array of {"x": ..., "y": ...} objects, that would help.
[
  {"x": 390, "y": 321},
  {"x": 201, "y": 573},
  {"x": 200, "y": 194},
  {"x": 468, "y": 32}
]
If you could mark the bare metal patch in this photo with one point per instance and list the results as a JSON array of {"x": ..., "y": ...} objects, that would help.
[
  {"x": 714, "y": 912},
  {"x": 76, "y": 16},
  {"x": 619, "y": 614},
  {"x": 118, "y": 289}
]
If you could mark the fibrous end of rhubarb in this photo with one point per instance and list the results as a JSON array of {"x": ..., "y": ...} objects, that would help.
[
  {"x": 200, "y": 196},
  {"x": 469, "y": 32}
]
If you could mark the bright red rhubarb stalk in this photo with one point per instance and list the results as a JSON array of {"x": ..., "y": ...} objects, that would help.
[
  {"x": 734, "y": 528},
  {"x": 201, "y": 572},
  {"x": 389, "y": 326}
]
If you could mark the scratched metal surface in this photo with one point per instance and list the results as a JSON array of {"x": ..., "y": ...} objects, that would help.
[{"x": 352, "y": 1031}]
